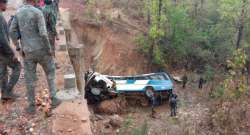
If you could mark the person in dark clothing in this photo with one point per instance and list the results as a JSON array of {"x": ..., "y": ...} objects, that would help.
[
  {"x": 153, "y": 104},
  {"x": 18, "y": 48},
  {"x": 201, "y": 82},
  {"x": 173, "y": 104},
  {"x": 56, "y": 7},
  {"x": 50, "y": 20},
  {"x": 184, "y": 81},
  {"x": 30, "y": 22},
  {"x": 7, "y": 59},
  {"x": 153, "y": 100}
]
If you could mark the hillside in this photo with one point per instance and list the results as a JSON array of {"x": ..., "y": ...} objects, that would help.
[
  {"x": 197, "y": 38},
  {"x": 109, "y": 30}
]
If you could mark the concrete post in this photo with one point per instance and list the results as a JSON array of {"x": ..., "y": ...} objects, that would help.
[
  {"x": 69, "y": 81},
  {"x": 76, "y": 58},
  {"x": 62, "y": 47}
]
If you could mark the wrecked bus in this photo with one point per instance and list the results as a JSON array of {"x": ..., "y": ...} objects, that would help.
[{"x": 102, "y": 87}]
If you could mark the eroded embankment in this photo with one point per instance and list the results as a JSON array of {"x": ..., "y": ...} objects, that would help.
[{"x": 109, "y": 51}]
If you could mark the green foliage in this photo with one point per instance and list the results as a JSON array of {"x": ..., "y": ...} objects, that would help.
[
  {"x": 218, "y": 92},
  {"x": 143, "y": 130},
  {"x": 209, "y": 73},
  {"x": 143, "y": 43},
  {"x": 230, "y": 8},
  {"x": 182, "y": 34},
  {"x": 236, "y": 85},
  {"x": 127, "y": 129},
  {"x": 158, "y": 56}
]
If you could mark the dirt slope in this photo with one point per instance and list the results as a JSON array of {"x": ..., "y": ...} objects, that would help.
[{"x": 109, "y": 45}]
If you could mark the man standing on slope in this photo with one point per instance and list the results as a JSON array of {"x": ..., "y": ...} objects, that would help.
[
  {"x": 29, "y": 21},
  {"x": 7, "y": 59}
]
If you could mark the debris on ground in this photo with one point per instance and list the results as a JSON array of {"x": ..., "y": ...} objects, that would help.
[
  {"x": 113, "y": 106},
  {"x": 43, "y": 102},
  {"x": 116, "y": 121},
  {"x": 177, "y": 79}
]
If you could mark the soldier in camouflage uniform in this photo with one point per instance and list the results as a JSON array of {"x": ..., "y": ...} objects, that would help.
[
  {"x": 56, "y": 7},
  {"x": 7, "y": 59},
  {"x": 50, "y": 20},
  {"x": 36, "y": 49}
]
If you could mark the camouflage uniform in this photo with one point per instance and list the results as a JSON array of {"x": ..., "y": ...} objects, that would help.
[
  {"x": 56, "y": 7},
  {"x": 36, "y": 48},
  {"x": 6, "y": 60},
  {"x": 50, "y": 19}
]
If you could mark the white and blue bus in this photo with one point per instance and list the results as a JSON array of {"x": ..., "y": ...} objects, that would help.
[{"x": 101, "y": 87}]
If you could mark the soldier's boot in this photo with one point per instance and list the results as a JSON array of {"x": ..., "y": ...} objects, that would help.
[
  {"x": 31, "y": 109},
  {"x": 48, "y": 65},
  {"x": 55, "y": 102}
]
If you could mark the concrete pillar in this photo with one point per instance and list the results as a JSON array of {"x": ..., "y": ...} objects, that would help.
[
  {"x": 69, "y": 81},
  {"x": 76, "y": 58},
  {"x": 68, "y": 36}
]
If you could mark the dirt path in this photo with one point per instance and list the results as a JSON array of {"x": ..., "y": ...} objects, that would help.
[{"x": 72, "y": 119}]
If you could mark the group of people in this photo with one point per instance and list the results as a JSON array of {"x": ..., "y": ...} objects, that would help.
[
  {"x": 173, "y": 97},
  {"x": 185, "y": 81},
  {"x": 34, "y": 27},
  {"x": 172, "y": 103}
]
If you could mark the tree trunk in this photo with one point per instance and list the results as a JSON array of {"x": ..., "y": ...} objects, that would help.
[
  {"x": 239, "y": 36},
  {"x": 76, "y": 58},
  {"x": 241, "y": 25},
  {"x": 195, "y": 9},
  {"x": 202, "y": 3},
  {"x": 151, "y": 56},
  {"x": 148, "y": 13},
  {"x": 159, "y": 12}
]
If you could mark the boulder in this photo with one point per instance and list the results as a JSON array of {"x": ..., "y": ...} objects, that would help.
[{"x": 113, "y": 106}]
